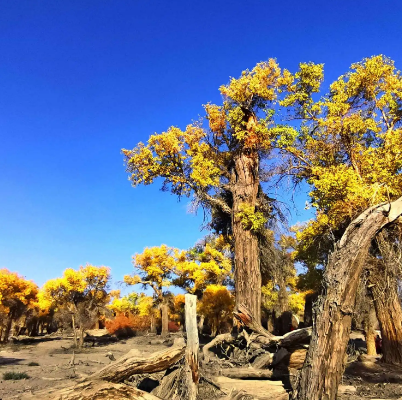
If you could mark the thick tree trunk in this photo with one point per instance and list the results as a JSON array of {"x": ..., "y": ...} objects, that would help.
[
  {"x": 389, "y": 314},
  {"x": 8, "y": 328},
  {"x": 165, "y": 319},
  {"x": 245, "y": 184},
  {"x": 325, "y": 362},
  {"x": 153, "y": 325}
]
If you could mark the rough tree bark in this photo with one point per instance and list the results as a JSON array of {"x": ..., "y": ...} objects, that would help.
[
  {"x": 324, "y": 365},
  {"x": 165, "y": 318},
  {"x": 389, "y": 313},
  {"x": 244, "y": 181}
]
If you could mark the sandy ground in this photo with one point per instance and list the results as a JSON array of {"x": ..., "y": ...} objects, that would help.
[
  {"x": 53, "y": 357},
  {"x": 367, "y": 379}
]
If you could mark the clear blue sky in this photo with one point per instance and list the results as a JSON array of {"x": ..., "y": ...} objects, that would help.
[{"x": 80, "y": 79}]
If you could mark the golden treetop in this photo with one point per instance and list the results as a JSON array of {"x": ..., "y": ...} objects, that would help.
[
  {"x": 155, "y": 266},
  {"x": 15, "y": 290},
  {"x": 349, "y": 143}
]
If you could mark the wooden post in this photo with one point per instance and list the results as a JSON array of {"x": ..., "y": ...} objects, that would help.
[{"x": 192, "y": 345}]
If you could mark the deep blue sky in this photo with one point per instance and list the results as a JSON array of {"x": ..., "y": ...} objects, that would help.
[{"x": 81, "y": 79}]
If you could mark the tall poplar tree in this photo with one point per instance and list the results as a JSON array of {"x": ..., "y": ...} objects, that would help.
[{"x": 222, "y": 161}]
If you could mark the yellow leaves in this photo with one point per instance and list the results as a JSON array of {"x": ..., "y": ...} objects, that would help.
[
  {"x": 156, "y": 265},
  {"x": 132, "y": 280},
  {"x": 251, "y": 219},
  {"x": 200, "y": 267},
  {"x": 217, "y": 303},
  {"x": 15, "y": 288},
  {"x": 259, "y": 82},
  {"x": 300, "y": 86},
  {"x": 216, "y": 117},
  {"x": 76, "y": 286}
]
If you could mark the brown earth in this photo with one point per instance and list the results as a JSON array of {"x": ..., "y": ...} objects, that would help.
[{"x": 364, "y": 379}]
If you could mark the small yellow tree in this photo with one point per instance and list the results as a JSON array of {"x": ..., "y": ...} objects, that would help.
[
  {"x": 155, "y": 266},
  {"x": 217, "y": 306},
  {"x": 16, "y": 296},
  {"x": 81, "y": 293}
]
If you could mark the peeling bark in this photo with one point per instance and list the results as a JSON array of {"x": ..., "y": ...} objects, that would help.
[
  {"x": 324, "y": 365},
  {"x": 245, "y": 183}
]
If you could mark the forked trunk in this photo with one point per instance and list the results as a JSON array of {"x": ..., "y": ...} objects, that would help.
[
  {"x": 245, "y": 183},
  {"x": 389, "y": 314},
  {"x": 324, "y": 364}
]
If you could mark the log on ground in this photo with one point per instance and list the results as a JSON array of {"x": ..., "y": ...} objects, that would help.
[
  {"x": 258, "y": 389},
  {"x": 98, "y": 390},
  {"x": 131, "y": 364},
  {"x": 246, "y": 373}
]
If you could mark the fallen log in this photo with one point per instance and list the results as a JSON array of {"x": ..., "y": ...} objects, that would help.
[
  {"x": 263, "y": 361},
  {"x": 257, "y": 389},
  {"x": 98, "y": 390},
  {"x": 131, "y": 364},
  {"x": 296, "y": 338},
  {"x": 246, "y": 373}
]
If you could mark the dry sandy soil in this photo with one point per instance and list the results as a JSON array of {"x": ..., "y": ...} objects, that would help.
[{"x": 366, "y": 379}]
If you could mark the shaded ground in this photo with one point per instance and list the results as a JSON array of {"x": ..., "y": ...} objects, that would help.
[{"x": 365, "y": 379}]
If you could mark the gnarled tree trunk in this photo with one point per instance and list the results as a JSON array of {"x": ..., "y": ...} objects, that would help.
[
  {"x": 245, "y": 182},
  {"x": 324, "y": 365}
]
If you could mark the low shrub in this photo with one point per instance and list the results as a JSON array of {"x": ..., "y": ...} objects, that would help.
[
  {"x": 121, "y": 326},
  {"x": 33, "y": 364},
  {"x": 124, "y": 326},
  {"x": 173, "y": 327},
  {"x": 15, "y": 376}
]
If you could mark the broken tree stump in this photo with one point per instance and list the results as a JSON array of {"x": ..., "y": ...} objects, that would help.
[{"x": 192, "y": 346}]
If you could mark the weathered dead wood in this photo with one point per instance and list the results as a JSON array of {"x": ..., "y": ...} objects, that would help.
[
  {"x": 296, "y": 359},
  {"x": 296, "y": 338},
  {"x": 244, "y": 316},
  {"x": 246, "y": 373},
  {"x": 92, "y": 390},
  {"x": 258, "y": 389},
  {"x": 131, "y": 364},
  {"x": 224, "y": 338},
  {"x": 263, "y": 361},
  {"x": 192, "y": 346},
  {"x": 325, "y": 361}
]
